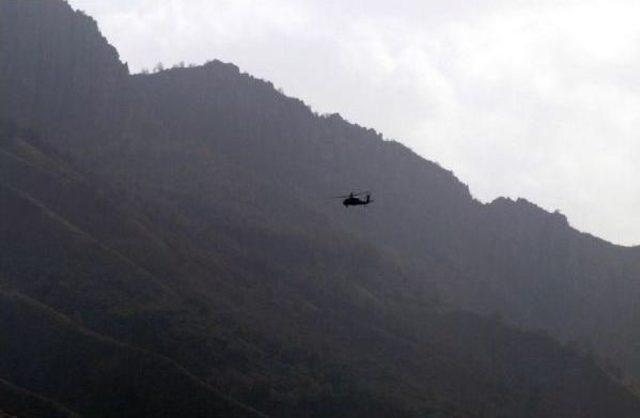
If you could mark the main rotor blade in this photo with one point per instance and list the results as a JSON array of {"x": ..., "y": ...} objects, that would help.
[{"x": 354, "y": 194}]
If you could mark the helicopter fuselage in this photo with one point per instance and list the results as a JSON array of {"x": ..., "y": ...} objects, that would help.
[{"x": 354, "y": 201}]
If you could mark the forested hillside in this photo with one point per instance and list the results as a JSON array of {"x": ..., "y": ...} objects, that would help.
[{"x": 180, "y": 225}]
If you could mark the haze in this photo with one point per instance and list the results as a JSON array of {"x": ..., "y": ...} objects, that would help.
[{"x": 533, "y": 99}]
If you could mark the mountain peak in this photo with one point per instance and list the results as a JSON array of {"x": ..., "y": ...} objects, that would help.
[{"x": 523, "y": 206}]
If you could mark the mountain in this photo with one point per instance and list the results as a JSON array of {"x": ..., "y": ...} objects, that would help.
[
  {"x": 169, "y": 248},
  {"x": 25, "y": 403}
]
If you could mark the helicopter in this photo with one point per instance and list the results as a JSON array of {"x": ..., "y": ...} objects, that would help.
[{"x": 352, "y": 200}]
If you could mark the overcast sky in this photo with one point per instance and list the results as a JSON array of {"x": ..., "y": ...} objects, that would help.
[{"x": 534, "y": 99}]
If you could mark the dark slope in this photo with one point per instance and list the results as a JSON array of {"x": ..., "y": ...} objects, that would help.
[
  {"x": 507, "y": 257},
  {"x": 18, "y": 402},
  {"x": 74, "y": 85},
  {"x": 340, "y": 347},
  {"x": 46, "y": 254},
  {"x": 193, "y": 227},
  {"x": 95, "y": 375},
  {"x": 323, "y": 344}
]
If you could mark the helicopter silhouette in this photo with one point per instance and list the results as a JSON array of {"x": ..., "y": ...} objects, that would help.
[{"x": 352, "y": 200}]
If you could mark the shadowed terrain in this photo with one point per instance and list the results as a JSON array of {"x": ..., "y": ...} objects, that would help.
[{"x": 169, "y": 242}]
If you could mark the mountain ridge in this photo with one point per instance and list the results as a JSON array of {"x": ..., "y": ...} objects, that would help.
[{"x": 215, "y": 184}]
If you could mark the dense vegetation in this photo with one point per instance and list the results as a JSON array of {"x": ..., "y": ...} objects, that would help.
[{"x": 167, "y": 244}]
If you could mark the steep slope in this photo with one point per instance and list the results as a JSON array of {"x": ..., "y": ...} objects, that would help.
[
  {"x": 95, "y": 375},
  {"x": 195, "y": 227},
  {"x": 511, "y": 258},
  {"x": 444, "y": 359},
  {"x": 322, "y": 344},
  {"x": 18, "y": 402},
  {"x": 72, "y": 81}
]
